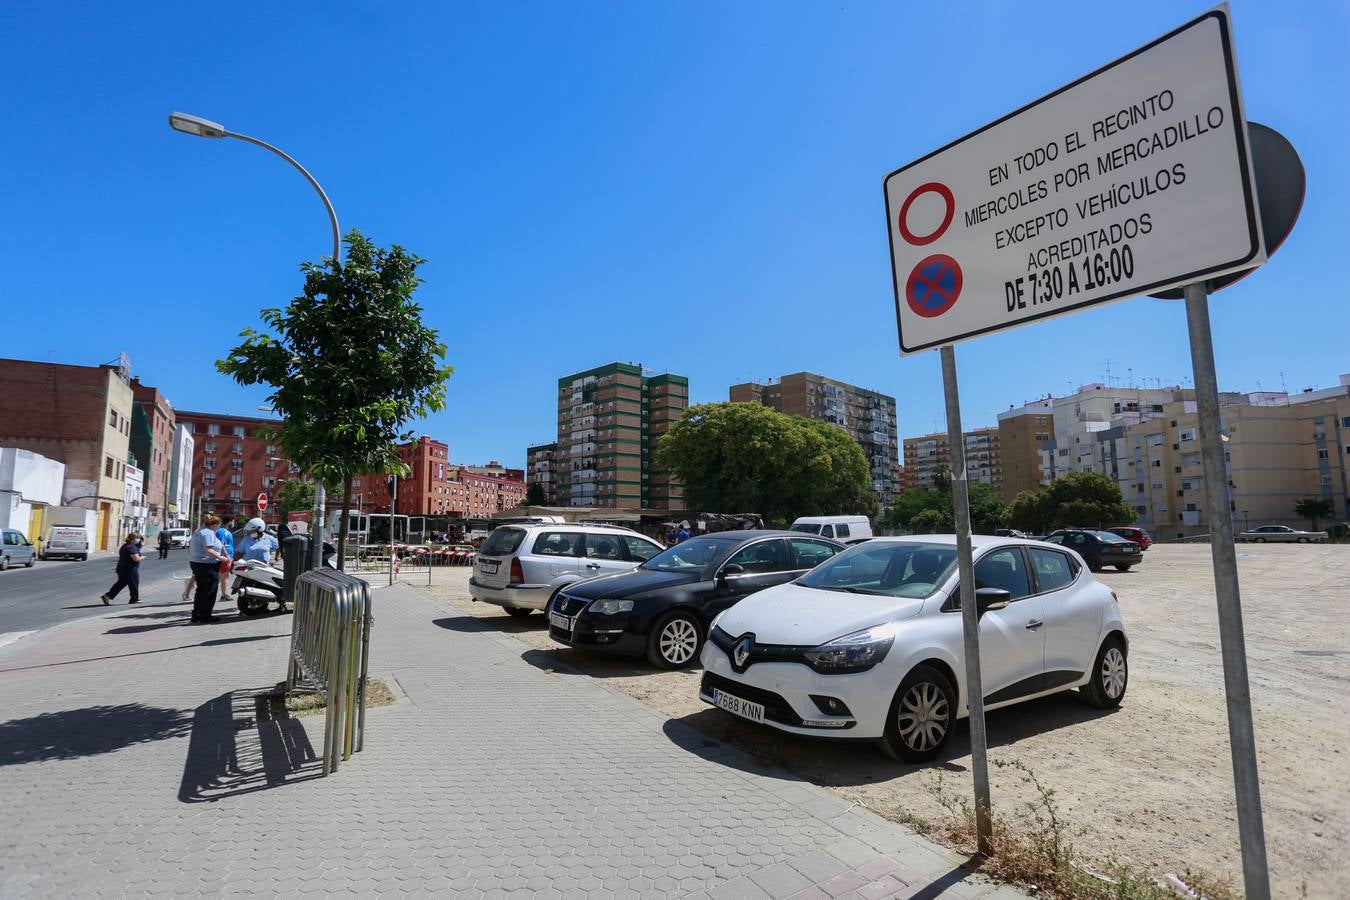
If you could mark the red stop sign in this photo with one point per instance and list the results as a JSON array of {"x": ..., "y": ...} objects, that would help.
[{"x": 262, "y": 503}]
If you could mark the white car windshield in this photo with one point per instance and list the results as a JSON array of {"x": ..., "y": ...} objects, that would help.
[
  {"x": 808, "y": 529},
  {"x": 888, "y": 569}
]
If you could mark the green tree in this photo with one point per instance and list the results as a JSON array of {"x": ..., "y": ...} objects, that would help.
[
  {"x": 986, "y": 511},
  {"x": 1086, "y": 499},
  {"x": 1029, "y": 511},
  {"x": 910, "y": 503},
  {"x": 1314, "y": 510},
  {"x": 350, "y": 363},
  {"x": 535, "y": 496},
  {"x": 294, "y": 495},
  {"x": 932, "y": 521},
  {"x": 746, "y": 457}
]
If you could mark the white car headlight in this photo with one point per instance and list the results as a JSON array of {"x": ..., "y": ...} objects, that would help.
[
  {"x": 610, "y": 607},
  {"x": 856, "y": 652}
]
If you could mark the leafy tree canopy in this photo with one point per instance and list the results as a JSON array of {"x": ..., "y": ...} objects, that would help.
[
  {"x": 1314, "y": 510},
  {"x": 1079, "y": 500},
  {"x": 986, "y": 511},
  {"x": 535, "y": 496},
  {"x": 294, "y": 495},
  {"x": 746, "y": 457}
]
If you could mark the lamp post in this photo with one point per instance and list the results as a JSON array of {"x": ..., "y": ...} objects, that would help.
[{"x": 199, "y": 127}]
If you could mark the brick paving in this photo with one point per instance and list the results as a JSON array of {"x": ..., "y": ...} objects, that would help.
[{"x": 137, "y": 759}]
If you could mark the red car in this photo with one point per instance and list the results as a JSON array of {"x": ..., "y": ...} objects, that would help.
[{"x": 1131, "y": 533}]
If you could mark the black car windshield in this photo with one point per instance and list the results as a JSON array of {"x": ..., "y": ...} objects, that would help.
[
  {"x": 1110, "y": 538},
  {"x": 886, "y": 568},
  {"x": 693, "y": 555}
]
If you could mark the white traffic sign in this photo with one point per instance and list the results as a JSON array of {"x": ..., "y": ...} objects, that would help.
[
  {"x": 262, "y": 503},
  {"x": 1132, "y": 179}
]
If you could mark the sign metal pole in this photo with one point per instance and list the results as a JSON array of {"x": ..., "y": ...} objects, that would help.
[
  {"x": 1241, "y": 735},
  {"x": 970, "y": 616}
]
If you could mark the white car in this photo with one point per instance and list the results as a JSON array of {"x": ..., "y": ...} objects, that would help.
[
  {"x": 869, "y": 643},
  {"x": 1283, "y": 534}
]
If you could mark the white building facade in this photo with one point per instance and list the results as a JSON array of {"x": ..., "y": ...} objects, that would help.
[
  {"x": 180, "y": 477},
  {"x": 30, "y": 484},
  {"x": 134, "y": 509}
]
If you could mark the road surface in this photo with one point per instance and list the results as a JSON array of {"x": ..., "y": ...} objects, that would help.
[{"x": 56, "y": 591}]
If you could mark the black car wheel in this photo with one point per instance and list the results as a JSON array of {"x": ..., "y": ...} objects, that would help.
[
  {"x": 1094, "y": 563},
  {"x": 922, "y": 716},
  {"x": 518, "y": 612},
  {"x": 1259, "y": 540},
  {"x": 1110, "y": 676},
  {"x": 1124, "y": 567},
  {"x": 675, "y": 640}
]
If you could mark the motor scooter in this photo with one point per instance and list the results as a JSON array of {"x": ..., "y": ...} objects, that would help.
[{"x": 257, "y": 585}]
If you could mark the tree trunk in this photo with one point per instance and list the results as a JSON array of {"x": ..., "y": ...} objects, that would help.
[{"x": 346, "y": 523}]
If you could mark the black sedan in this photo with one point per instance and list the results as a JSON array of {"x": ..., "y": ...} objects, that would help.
[
  {"x": 1099, "y": 548},
  {"x": 663, "y": 607}
]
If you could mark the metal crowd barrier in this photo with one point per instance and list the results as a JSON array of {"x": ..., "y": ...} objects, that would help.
[{"x": 330, "y": 648}]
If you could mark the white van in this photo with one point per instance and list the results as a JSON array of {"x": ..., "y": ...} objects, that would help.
[
  {"x": 67, "y": 542},
  {"x": 841, "y": 528}
]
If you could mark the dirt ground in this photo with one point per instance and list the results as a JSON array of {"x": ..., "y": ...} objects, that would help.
[{"x": 1150, "y": 783}]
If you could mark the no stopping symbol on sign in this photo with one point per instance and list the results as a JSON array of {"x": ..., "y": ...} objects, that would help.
[
  {"x": 932, "y": 187},
  {"x": 933, "y": 286}
]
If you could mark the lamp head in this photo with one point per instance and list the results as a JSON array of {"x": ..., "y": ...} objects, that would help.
[{"x": 196, "y": 125}]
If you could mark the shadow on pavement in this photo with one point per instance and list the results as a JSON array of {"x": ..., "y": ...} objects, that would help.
[
  {"x": 243, "y": 742},
  {"x": 73, "y": 733},
  {"x": 938, "y": 886},
  {"x": 213, "y": 643},
  {"x": 168, "y": 614},
  {"x": 567, "y": 661},
  {"x": 506, "y": 624},
  {"x": 835, "y": 763}
]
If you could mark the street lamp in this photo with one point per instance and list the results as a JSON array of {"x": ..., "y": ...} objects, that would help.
[{"x": 199, "y": 127}]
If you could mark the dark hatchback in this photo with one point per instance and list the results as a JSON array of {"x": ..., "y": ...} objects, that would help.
[
  {"x": 663, "y": 607},
  {"x": 1099, "y": 548}
]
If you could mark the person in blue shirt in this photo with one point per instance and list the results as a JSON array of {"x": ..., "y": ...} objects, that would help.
[
  {"x": 227, "y": 543},
  {"x": 257, "y": 545},
  {"x": 205, "y": 554}
]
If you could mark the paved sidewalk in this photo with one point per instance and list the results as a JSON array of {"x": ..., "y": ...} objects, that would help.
[{"x": 135, "y": 759}]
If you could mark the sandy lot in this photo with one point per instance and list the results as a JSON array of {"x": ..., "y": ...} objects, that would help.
[{"x": 1150, "y": 783}]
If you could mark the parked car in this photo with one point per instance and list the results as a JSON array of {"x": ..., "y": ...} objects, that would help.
[
  {"x": 1009, "y": 532},
  {"x": 179, "y": 537},
  {"x": 15, "y": 550},
  {"x": 1283, "y": 533},
  {"x": 1099, "y": 548},
  {"x": 522, "y": 567},
  {"x": 663, "y": 607},
  {"x": 66, "y": 542},
  {"x": 869, "y": 644},
  {"x": 840, "y": 527},
  {"x": 1133, "y": 533}
]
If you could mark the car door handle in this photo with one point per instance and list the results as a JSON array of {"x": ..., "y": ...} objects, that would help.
[
  {"x": 1034, "y": 624},
  {"x": 592, "y": 565}
]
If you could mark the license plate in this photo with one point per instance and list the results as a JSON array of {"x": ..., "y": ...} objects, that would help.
[
  {"x": 488, "y": 568},
  {"x": 558, "y": 621},
  {"x": 735, "y": 705}
]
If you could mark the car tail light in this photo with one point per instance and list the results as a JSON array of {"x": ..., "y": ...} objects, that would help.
[{"x": 517, "y": 572}]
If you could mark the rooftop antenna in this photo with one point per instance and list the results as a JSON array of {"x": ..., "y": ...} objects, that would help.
[
  {"x": 1108, "y": 373},
  {"x": 1284, "y": 387}
]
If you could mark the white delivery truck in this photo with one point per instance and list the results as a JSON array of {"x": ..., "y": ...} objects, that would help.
[
  {"x": 841, "y": 528},
  {"x": 70, "y": 532}
]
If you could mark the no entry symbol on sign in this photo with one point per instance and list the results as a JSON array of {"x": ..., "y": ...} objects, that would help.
[
  {"x": 933, "y": 286},
  {"x": 949, "y": 204}
]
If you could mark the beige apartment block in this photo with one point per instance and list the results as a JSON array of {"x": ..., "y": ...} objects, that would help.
[
  {"x": 984, "y": 458},
  {"x": 1025, "y": 437},
  {"x": 1278, "y": 450},
  {"x": 868, "y": 416}
]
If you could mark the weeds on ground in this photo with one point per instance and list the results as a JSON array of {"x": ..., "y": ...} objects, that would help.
[
  {"x": 308, "y": 704},
  {"x": 1034, "y": 848}
]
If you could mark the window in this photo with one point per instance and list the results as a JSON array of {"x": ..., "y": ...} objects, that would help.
[
  {"x": 213, "y": 430},
  {"x": 1188, "y": 434},
  {"x": 237, "y": 464},
  {"x": 1004, "y": 569},
  {"x": 239, "y": 431},
  {"x": 556, "y": 543},
  {"x": 640, "y": 549},
  {"x": 211, "y": 448},
  {"x": 108, "y": 467},
  {"x": 1345, "y": 421},
  {"x": 1053, "y": 570},
  {"x": 603, "y": 546},
  {"x": 761, "y": 557},
  {"x": 1322, "y": 454},
  {"x": 810, "y": 553},
  {"x": 238, "y": 448},
  {"x": 209, "y": 478},
  {"x": 840, "y": 531},
  {"x": 112, "y": 423},
  {"x": 236, "y": 479}
]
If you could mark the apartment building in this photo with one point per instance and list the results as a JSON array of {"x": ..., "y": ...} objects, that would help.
[
  {"x": 1080, "y": 417},
  {"x": 180, "y": 477},
  {"x": 486, "y": 495},
  {"x": 867, "y": 416},
  {"x": 437, "y": 487},
  {"x": 1025, "y": 435},
  {"x": 539, "y": 461},
  {"x": 79, "y": 416},
  {"x": 232, "y": 462},
  {"x": 152, "y": 440},
  {"x": 1278, "y": 450},
  {"x": 609, "y": 420},
  {"x": 984, "y": 458},
  {"x": 134, "y": 509}
]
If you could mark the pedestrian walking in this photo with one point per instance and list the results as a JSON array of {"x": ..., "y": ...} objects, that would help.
[
  {"x": 205, "y": 554},
  {"x": 226, "y": 537},
  {"x": 128, "y": 571},
  {"x": 164, "y": 543}
]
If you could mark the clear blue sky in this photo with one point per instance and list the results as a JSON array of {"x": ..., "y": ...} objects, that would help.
[{"x": 696, "y": 187}]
